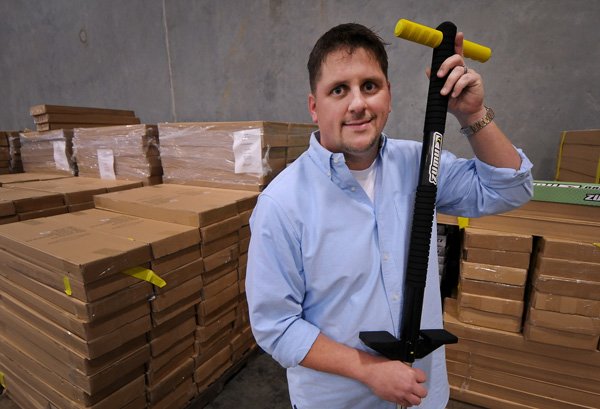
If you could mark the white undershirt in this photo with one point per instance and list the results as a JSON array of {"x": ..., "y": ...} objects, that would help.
[{"x": 366, "y": 178}]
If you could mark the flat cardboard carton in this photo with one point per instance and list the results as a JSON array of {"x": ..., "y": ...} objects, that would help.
[
  {"x": 210, "y": 309},
  {"x": 220, "y": 229},
  {"x": 97, "y": 254},
  {"x": 180, "y": 275},
  {"x": 216, "y": 273},
  {"x": 497, "y": 257},
  {"x": 577, "y": 324},
  {"x": 169, "y": 313},
  {"x": 566, "y": 286},
  {"x": 27, "y": 200},
  {"x": 184, "y": 346},
  {"x": 221, "y": 258},
  {"x": 489, "y": 319},
  {"x": 14, "y": 266},
  {"x": 224, "y": 322},
  {"x": 163, "y": 238},
  {"x": 178, "y": 397},
  {"x": 166, "y": 299},
  {"x": 491, "y": 304},
  {"x": 492, "y": 289},
  {"x": 176, "y": 260},
  {"x": 213, "y": 368},
  {"x": 577, "y": 270},
  {"x": 565, "y": 304},
  {"x": 53, "y": 211},
  {"x": 170, "y": 381},
  {"x": 215, "y": 287},
  {"x": 569, "y": 250},
  {"x": 154, "y": 376},
  {"x": 566, "y": 339},
  {"x": 493, "y": 273},
  {"x": 219, "y": 244},
  {"x": 189, "y": 205},
  {"x": 179, "y": 328},
  {"x": 494, "y": 240}
]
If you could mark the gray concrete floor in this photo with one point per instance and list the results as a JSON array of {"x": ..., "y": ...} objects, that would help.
[{"x": 260, "y": 384}]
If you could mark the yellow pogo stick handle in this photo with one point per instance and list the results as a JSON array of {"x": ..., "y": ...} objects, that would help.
[{"x": 431, "y": 37}]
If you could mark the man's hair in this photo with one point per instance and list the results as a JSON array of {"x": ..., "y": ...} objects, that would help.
[{"x": 349, "y": 36}]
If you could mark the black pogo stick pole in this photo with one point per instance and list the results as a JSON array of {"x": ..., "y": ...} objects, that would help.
[{"x": 415, "y": 343}]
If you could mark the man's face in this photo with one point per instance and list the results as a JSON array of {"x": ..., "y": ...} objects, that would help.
[{"x": 351, "y": 104}]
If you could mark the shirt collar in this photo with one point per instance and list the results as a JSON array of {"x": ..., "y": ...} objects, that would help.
[{"x": 324, "y": 158}]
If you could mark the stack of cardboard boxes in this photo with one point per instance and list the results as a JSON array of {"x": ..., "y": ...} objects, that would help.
[
  {"x": 128, "y": 152},
  {"x": 33, "y": 199},
  {"x": 493, "y": 274},
  {"x": 50, "y": 117},
  {"x": 48, "y": 152},
  {"x": 565, "y": 299},
  {"x": 236, "y": 155},
  {"x": 199, "y": 311},
  {"x": 10, "y": 152},
  {"x": 73, "y": 325}
]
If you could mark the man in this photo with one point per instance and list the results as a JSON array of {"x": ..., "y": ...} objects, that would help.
[{"x": 330, "y": 234}]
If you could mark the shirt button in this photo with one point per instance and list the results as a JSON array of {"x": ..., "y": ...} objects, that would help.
[
  {"x": 353, "y": 189},
  {"x": 386, "y": 256},
  {"x": 395, "y": 297}
]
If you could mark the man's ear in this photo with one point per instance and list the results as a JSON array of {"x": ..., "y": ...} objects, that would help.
[
  {"x": 390, "y": 92},
  {"x": 312, "y": 107}
]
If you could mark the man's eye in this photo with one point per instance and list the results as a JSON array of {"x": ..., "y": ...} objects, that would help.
[
  {"x": 369, "y": 87},
  {"x": 337, "y": 91}
]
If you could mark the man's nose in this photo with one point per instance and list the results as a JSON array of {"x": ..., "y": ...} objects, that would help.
[{"x": 358, "y": 102}]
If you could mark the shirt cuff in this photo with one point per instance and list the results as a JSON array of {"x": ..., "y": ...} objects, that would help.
[
  {"x": 295, "y": 343},
  {"x": 504, "y": 177}
]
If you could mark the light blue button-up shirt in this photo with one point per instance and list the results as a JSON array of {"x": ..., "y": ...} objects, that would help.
[{"x": 324, "y": 258}]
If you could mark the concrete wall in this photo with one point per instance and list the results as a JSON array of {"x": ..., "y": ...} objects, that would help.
[{"x": 226, "y": 60}]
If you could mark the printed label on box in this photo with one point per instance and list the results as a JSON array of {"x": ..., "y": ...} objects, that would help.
[
  {"x": 247, "y": 151},
  {"x": 106, "y": 164},
  {"x": 60, "y": 155}
]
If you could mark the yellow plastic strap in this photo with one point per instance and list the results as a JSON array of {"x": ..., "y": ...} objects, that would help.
[
  {"x": 598, "y": 172},
  {"x": 2, "y": 382},
  {"x": 560, "y": 149},
  {"x": 463, "y": 222},
  {"x": 146, "y": 275},
  {"x": 67, "y": 284},
  {"x": 597, "y": 245}
]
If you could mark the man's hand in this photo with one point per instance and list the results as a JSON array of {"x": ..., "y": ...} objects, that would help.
[
  {"x": 395, "y": 381},
  {"x": 464, "y": 86}
]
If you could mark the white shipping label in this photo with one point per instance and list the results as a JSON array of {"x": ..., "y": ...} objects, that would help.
[
  {"x": 106, "y": 164},
  {"x": 247, "y": 151},
  {"x": 60, "y": 155}
]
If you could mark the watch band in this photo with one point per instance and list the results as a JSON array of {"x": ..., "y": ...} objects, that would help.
[{"x": 479, "y": 125}]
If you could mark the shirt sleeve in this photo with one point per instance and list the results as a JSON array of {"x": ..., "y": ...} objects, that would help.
[
  {"x": 275, "y": 286},
  {"x": 472, "y": 188}
]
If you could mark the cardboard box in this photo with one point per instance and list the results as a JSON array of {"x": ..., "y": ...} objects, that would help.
[
  {"x": 221, "y": 258},
  {"x": 97, "y": 254},
  {"x": 491, "y": 304},
  {"x": 220, "y": 229},
  {"x": 216, "y": 273},
  {"x": 166, "y": 299},
  {"x": 219, "y": 244},
  {"x": 565, "y": 304},
  {"x": 205, "y": 334},
  {"x": 567, "y": 339},
  {"x": 164, "y": 336},
  {"x": 569, "y": 250},
  {"x": 170, "y": 381},
  {"x": 213, "y": 368},
  {"x": 29, "y": 176},
  {"x": 210, "y": 309},
  {"x": 26, "y": 200},
  {"x": 566, "y": 286},
  {"x": 163, "y": 238},
  {"x": 492, "y": 289},
  {"x": 494, "y": 240},
  {"x": 161, "y": 361},
  {"x": 169, "y": 313},
  {"x": 176, "y": 260},
  {"x": 577, "y": 270},
  {"x": 489, "y": 319},
  {"x": 497, "y": 257},
  {"x": 493, "y": 273},
  {"x": 178, "y": 397},
  {"x": 179, "y": 275},
  {"x": 189, "y": 205},
  {"x": 578, "y": 324}
]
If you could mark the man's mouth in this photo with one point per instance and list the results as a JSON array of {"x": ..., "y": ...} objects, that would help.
[{"x": 358, "y": 123}]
